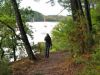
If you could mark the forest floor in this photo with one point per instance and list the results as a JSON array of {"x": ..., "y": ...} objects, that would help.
[{"x": 59, "y": 63}]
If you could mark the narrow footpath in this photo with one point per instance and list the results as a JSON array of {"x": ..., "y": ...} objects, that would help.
[{"x": 59, "y": 63}]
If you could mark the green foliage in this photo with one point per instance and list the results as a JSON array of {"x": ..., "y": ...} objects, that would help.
[
  {"x": 96, "y": 57},
  {"x": 8, "y": 27},
  {"x": 40, "y": 47},
  {"x": 4, "y": 67},
  {"x": 8, "y": 19},
  {"x": 60, "y": 34},
  {"x": 6, "y": 7},
  {"x": 38, "y": 16},
  {"x": 79, "y": 60},
  {"x": 70, "y": 35},
  {"x": 27, "y": 14},
  {"x": 54, "y": 18},
  {"x": 96, "y": 33},
  {"x": 93, "y": 66},
  {"x": 88, "y": 70},
  {"x": 96, "y": 25}
]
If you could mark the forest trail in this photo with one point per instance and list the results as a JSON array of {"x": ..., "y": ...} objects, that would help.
[{"x": 59, "y": 63}]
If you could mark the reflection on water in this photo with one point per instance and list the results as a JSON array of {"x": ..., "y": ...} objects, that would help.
[{"x": 40, "y": 29}]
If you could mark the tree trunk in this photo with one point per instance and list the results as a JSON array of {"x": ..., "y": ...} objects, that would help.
[
  {"x": 76, "y": 9},
  {"x": 77, "y": 13},
  {"x": 22, "y": 31},
  {"x": 2, "y": 51},
  {"x": 80, "y": 8},
  {"x": 2, "y": 54},
  {"x": 14, "y": 52},
  {"x": 88, "y": 15},
  {"x": 14, "y": 46}
]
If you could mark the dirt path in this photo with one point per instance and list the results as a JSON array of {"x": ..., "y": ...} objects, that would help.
[{"x": 57, "y": 64}]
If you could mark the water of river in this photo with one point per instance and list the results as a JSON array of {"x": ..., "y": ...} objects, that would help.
[{"x": 40, "y": 29}]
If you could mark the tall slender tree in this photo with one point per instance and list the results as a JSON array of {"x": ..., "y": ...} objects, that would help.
[
  {"x": 88, "y": 15},
  {"x": 89, "y": 22},
  {"x": 22, "y": 31},
  {"x": 76, "y": 8}
]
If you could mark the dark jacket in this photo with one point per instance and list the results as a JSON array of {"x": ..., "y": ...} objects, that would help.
[{"x": 48, "y": 40}]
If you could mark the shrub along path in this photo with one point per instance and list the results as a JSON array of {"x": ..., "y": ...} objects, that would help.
[{"x": 59, "y": 63}]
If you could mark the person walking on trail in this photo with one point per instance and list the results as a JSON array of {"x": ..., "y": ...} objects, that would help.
[{"x": 48, "y": 44}]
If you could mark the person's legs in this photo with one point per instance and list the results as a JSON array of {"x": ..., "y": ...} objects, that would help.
[
  {"x": 47, "y": 51},
  {"x": 48, "y": 48}
]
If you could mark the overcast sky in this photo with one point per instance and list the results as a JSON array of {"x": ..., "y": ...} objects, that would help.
[{"x": 43, "y": 7}]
